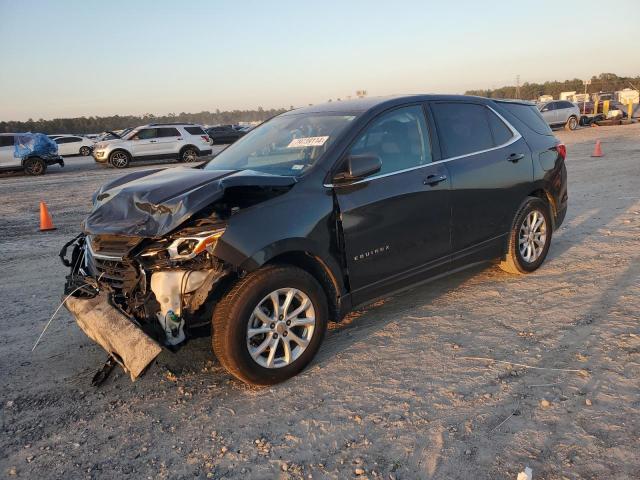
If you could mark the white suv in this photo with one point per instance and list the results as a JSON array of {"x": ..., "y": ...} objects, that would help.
[{"x": 182, "y": 141}]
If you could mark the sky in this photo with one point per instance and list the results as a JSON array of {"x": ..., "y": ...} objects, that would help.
[{"x": 70, "y": 58}]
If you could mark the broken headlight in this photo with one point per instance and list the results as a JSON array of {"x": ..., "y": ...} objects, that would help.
[{"x": 186, "y": 248}]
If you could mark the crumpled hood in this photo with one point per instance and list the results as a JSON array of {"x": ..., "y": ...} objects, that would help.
[{"x": 151, "y": 203}]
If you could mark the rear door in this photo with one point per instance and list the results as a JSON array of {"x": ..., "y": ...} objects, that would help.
[
  {"x": 396, "y": 224},
  {"x": 491, "y": 171},
  {"x": 145, "y": 142},
  {"x": 167, "y": 141},
  {"x": 6, "y": 152}
]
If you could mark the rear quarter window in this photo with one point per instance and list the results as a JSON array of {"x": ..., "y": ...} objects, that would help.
[
  {"x": 529, "y": 115},
  {"x": 194, "y": 130}
]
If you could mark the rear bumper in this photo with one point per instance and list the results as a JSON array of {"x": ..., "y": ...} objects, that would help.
[{"x": 54, "y": 160}]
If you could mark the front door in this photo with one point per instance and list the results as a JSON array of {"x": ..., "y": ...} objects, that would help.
[
  {"x": 549, "y": 113},
  {"x": 145, "y": 142},
  {"x": 491, "y": 171},
  {"x": 395, "y": 222}
]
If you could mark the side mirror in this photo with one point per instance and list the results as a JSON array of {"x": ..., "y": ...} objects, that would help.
[{"x": 358, "y": 167}]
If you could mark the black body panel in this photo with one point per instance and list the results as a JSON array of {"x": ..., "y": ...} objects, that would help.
[{"x": 371, "y": 237}]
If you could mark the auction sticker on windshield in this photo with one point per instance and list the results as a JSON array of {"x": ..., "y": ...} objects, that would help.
[{"x": 307, "y": 142}]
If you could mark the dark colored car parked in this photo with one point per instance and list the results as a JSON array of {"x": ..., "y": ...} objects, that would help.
[
  {"x": 312, "y": 213},
  {"x": 224, "y": 134}
]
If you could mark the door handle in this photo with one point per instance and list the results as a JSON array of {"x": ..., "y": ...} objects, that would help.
[
  {"x": 433, "y": 180},
  {"x": 515, "y": 157},
  {"x": 153, "y": 141}
]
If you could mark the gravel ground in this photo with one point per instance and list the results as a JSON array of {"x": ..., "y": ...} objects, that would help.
[{"x": 399, "y": 390}]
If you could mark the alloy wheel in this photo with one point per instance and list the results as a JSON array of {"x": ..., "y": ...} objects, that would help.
[
  {"x": 34, "y": 167},
  {"x": 119, "y": 160},
  {"x": 280, "y": 328},
  {"x": 532, "y": 237},
  {"x": 189, "y": 156}
]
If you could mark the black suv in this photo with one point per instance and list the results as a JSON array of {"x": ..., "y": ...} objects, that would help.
[
  {"x": 224, "y": 134},
  {"x": 314, "y": 212}
]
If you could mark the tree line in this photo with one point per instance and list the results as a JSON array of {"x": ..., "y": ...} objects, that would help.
[
  {"x": 605, "y": 82},
  {"x": 83, "y": 125}
]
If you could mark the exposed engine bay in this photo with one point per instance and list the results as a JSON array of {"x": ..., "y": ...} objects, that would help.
[{"x": 165, "y": 284}]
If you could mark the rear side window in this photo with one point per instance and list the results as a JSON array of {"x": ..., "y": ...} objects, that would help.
[
  {"x": 168, "y": 132},
  {"x": 501, "y": 133},
  {"x": 529, "y": 115},
  {"x": 463, "y": 128},
  {"x": 194, "y": 130},
  {"x": 6, "y": 141},
  {"x": 60, "y": 140}
]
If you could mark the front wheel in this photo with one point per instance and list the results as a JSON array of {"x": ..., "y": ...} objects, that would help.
[
  {"x": 529, "y": 239},
  {"x": 119, "y": 159},
  {"x": 270, "y": 325},
  {"x": 85, "y": 151},
  {"x": 35, "y": 166},
  {"x": 572, "y": 123}
]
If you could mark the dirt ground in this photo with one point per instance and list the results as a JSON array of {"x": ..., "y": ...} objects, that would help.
[{"x": 399, "y": 390}]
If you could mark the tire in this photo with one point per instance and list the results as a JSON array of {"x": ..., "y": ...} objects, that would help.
[
  {"x": 516, "y": 260},
  {"x": 188, "y": 155},
  {"x": 232, "y": 316},
  {"x": 120, "y": 159},
  {"x": 572, "y": 123},
  {"x": 85, "y": 151},
  {"x": 35, "y": 166}
]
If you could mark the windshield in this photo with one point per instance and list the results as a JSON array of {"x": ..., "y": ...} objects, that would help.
[{"x": 285, "y": 145}]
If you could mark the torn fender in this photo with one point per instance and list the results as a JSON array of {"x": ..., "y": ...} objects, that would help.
[
  {"x": 153, "y": 205},
  {"x": 114, "y": 332}
]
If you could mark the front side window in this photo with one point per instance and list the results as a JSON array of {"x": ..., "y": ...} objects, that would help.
[
  {"x": 463, "y": 128},
  {"x": 399, "y": 138},
  {"x": 6, "y": 140},
  {"x": 286, "y": 145},
  {"x": 145, "y": 134}
]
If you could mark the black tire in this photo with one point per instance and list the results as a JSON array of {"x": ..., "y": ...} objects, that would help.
[
  {"x": 85, "y": 151},
  {"x": 119, "y": 159},
  {"x": 35, "y": 166},
  {"x": 514, "y": 261},
  {"x": 572, "y": 123},
  {"x": 233, "y": 313},
  {"x": 188, "y": 155}
]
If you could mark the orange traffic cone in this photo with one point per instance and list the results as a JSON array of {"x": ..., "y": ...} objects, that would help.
[
  {"x": 45, "y": 219},
  {"x": 597, "y": 151}
]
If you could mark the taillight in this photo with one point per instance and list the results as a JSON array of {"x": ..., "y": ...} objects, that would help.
[
  {"x": 561, "y": 148},
  {"x": 205, "y": 138}
]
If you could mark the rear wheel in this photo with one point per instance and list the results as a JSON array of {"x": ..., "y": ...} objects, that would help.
[
  {"x": 572, "y": 123},
  {"x": 35, "y": 166},
  {"x": 529, "y": 239},
  {"x": 120, "y": 159},
  {"x": 85, "y": 151},
  {"x": 189, "y": 155},
  {"x": 270, "y": 325}
]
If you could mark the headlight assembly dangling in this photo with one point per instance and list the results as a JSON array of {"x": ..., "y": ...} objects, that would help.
[{"x": 186, "y": 248}]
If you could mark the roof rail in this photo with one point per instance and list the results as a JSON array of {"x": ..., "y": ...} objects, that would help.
[{"x": 171, "y": 123}]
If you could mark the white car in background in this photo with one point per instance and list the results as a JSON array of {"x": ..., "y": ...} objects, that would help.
[
  {"x": 73, "y": 145},
  {"x": 184, "y": 142},
  {"x": 558, "y": 113}
]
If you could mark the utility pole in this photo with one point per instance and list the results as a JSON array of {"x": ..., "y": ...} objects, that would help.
[{"x": 518, "y": 87}]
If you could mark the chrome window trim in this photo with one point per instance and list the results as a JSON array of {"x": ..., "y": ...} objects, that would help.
[{"x": 516, "y": 136}]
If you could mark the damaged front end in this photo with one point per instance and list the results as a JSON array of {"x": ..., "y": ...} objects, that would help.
[
  {"x": 130, "y": 294},
  {"x": 145, "y": 260}
]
